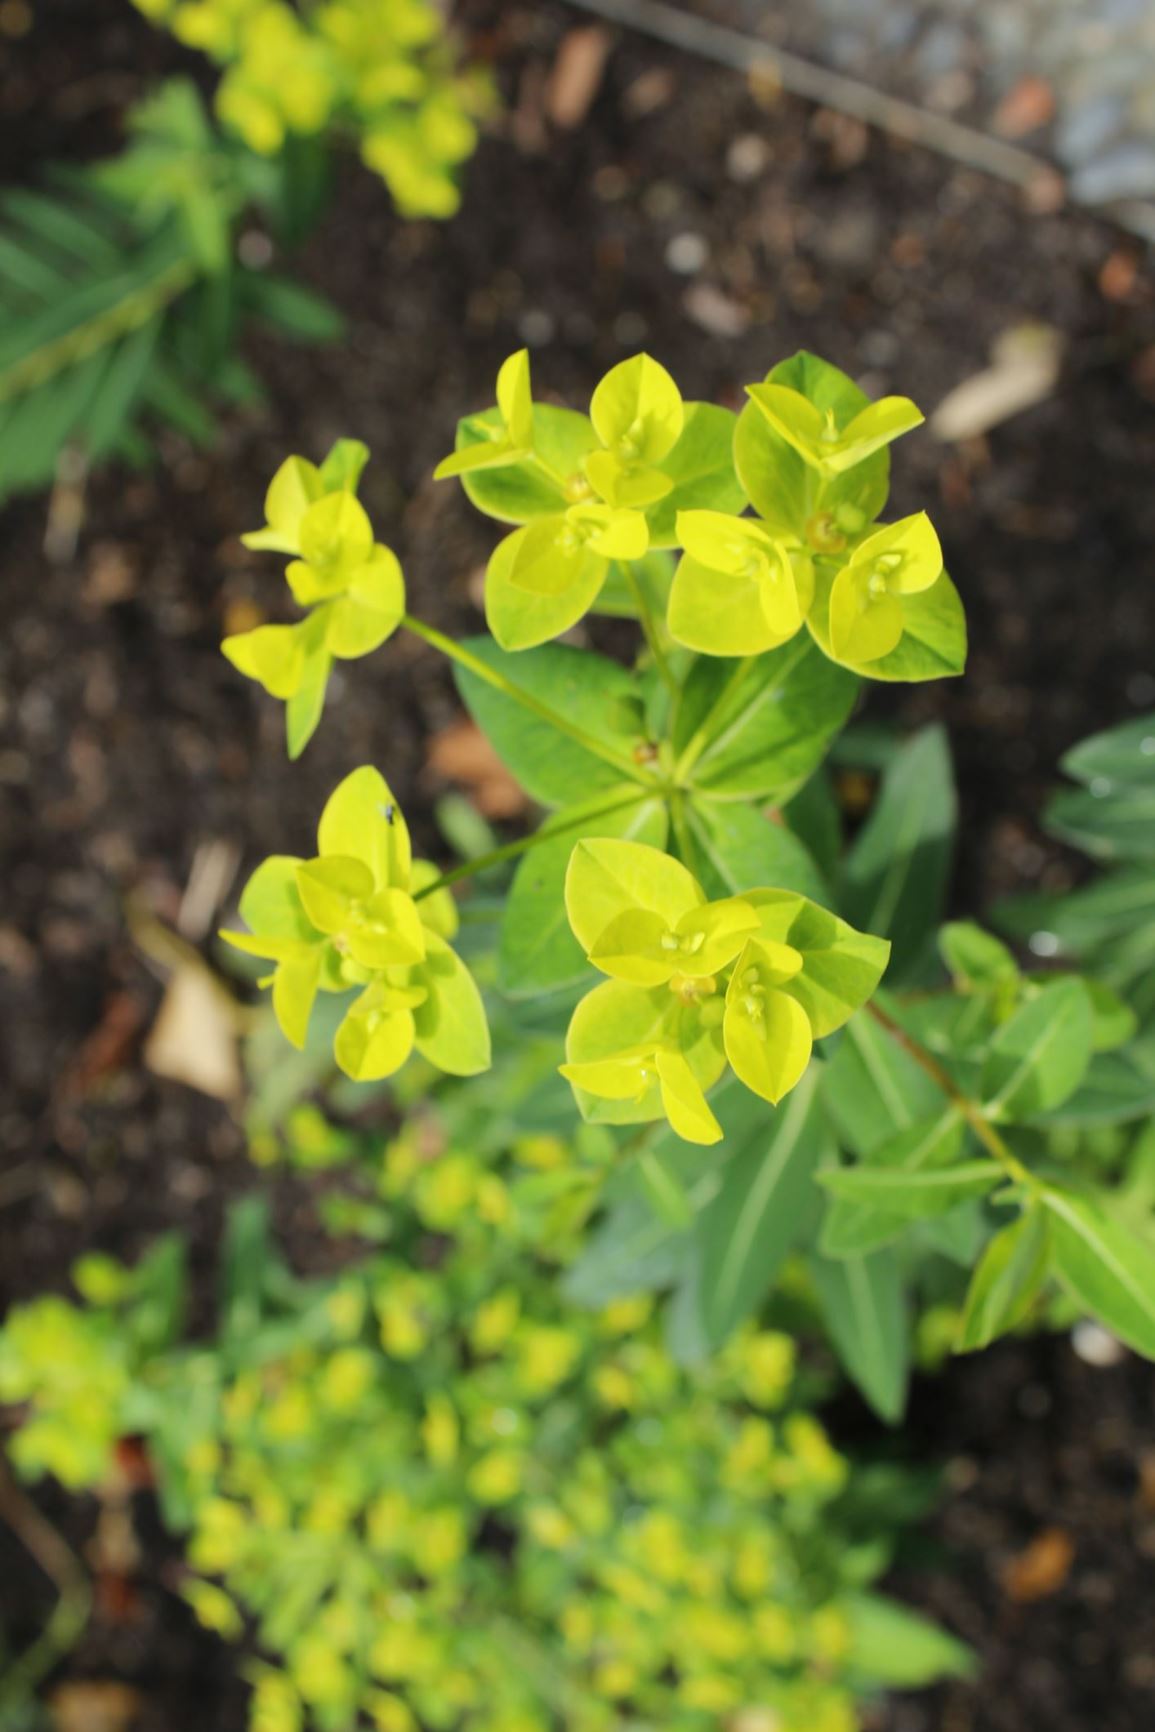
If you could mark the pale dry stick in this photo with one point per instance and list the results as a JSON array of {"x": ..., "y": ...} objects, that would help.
[{"x": 800, "y": 77}]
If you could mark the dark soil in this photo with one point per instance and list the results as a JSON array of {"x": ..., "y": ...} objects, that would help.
[{"x": 126, "y": 742}]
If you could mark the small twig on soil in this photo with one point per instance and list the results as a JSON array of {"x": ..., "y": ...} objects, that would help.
[
  {"x": 733, "y": 48},
  {"x": 63, "y": 1569}
]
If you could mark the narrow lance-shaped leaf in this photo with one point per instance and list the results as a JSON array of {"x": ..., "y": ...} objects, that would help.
[
  {"x": 1007, "y": 1282},
  {"x": 914, "y": 1194},
  {"x": 896, "y": 873},
  {"x": 1106, "y": 1266},
  {"x": 590, "y": 691},
  {"x": 854, "y": 1226},
  {"x": 766, "y": 1197},
  {"x": 538, "y": 952},
  {"x": 892, "y": 1645},
  {"x": 864, "y": 1305},
  {"x": 1040, "y": 1056}
]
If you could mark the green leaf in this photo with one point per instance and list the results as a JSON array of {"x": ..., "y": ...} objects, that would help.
[
  {"x": 913, "y": 1194},
  {"x": 783, "y": 488},
  {"x": 452, "y": 1032},
  {"x": 1116, "y": 1088},
  {"x": 840, "y": 967},
  {"x": 304, "y": 707},
  {"x": 896, "y": 874},
  {"x": 653, "y": 574},
  {"x": 701, "y": 466},
  {"x": 1006, "y": 1283},
  {"x": 934, "y": 634},
  {"x": 959, "y": 1235},
  {"x": 637, "y": 410},
  {"x": 1108, "y": 823},
  {"x": 975, "y": 958},
  {"x": 521, "y": 618},
  {"x": 892, "y": 1646},
  {"x": 344, "y": 465},
  {"x": 853, "y": 1226},
  {"x": 362, "y": 820},
  {"x": 735, "y": 848},
  {"x": 767, "y": 1194},
  {"x": 1121, "y": 755},
  {"x": 119, "y": 390},
  {"x": 66, "y": 229},
  {"x": 537, "y": 951},
  {"x": 523, "y": 491},
  {"x": 294, "y": 309},
  {"x": 633, "y": 1251},
  {"x": 1115, "y": 1023},
  {"x": 1040, "y": 1056},
  {"x": 873, "y": 1089},
  {"x": 246, "y": 1261},
  {"x": 864, "y": 1306},
  {"x": 590, "y": 691},
  {"x": 684, "y": 1334},
  {"x": 271, "y": 902},
  {"x": 767, "y": 730},
  {"x": 1118, "y": 905},
  {"x": 638, "y": 1248},
  {"x": 814, "y": 815},
  {"x": 1106, "y": 1267}
]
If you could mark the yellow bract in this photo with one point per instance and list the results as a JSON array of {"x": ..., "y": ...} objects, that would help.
[
  {"x": 351, "y": 585},
  {"x": 866, "y": 613},
  {"x": 380, "y": 68},
  {"x": 822, "y": 438},
  {"x": 508, "y": 440},
  {"x": 349, "y": 918},
  {"x": 738, "y": 590},
  {"x": 695, "y": 985}
]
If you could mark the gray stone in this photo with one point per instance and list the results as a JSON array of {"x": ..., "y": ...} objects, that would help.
[
  {"x": 1086, "y": 128},
  {"x": 897, "y": 30},
  {"x": 851, "y": 237},
  {"x": 943, "y": 48},
  {"x": 1126, "y": 171}
]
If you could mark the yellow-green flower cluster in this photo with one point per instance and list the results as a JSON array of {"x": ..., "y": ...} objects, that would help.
[
  {"x": 349, "y": 584},
  {"x": 448, "y": 1497},
  {"x": 383, "y": 68},
  {"x": 644, "y": 471},
  {"x": 546, "y": 1496},
  {"x": 364, "y": 914},
  {"x": 74, "y": 1366},
  {"x": 749, "y": 981}
]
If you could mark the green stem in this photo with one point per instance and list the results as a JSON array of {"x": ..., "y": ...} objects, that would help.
[
  {"x": 549, "y": 471},
  {"x": 511, "y": 850},
  {"x": 650, "y": 629},
  {"x": 701, "y": 737},
  {"x": 437, "y": 640},
  {"x": 682, "y": 836},
  {"x": 969, "y": 1109}
]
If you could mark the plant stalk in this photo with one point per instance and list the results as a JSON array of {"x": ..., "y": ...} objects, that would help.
[
  {"x": 523, "y": 845},
  {"x": 650, "y": 630},
  {"x": 620, "y": 761},
  {"x": 969, "y": 1109},
  {"x": 701, "y": 737}
]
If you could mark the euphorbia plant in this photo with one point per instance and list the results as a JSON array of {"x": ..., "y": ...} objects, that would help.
[
  {"x": 689, "y": 853},
  {"x": 682, "y": 886}
]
